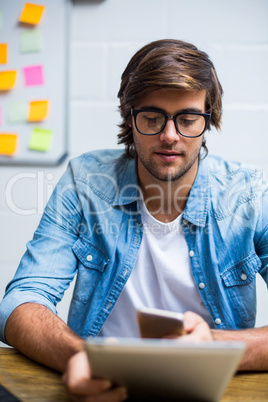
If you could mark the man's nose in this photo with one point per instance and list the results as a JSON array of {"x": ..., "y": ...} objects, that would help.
[{"x": 169, "y": 134}]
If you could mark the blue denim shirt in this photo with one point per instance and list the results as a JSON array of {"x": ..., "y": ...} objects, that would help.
[{"x": 91, "y": 228}]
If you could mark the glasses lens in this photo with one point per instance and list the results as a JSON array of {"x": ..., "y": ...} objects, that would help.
[
  {"x": 150, "y": 122},
  {"x": 190, "y": 125}
]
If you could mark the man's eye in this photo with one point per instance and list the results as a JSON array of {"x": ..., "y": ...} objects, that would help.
[
  {"x": 151, "y": 120},
  {"x": 187, "y": 121}
]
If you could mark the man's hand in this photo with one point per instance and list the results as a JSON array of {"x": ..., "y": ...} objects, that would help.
[
  {"x": 196, "y": 328},
  {"x": 81, "y": 387},
  {"x": 256, "y": 340}
]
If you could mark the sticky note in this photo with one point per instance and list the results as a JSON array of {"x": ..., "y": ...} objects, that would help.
[
  {"x": 3, "y": 53},
  {"x": 30, "y": 41},
  {"x": 7, "y": 79},
  {"x": 17, "y": 112},
  {"x": 33, "y": 75},
  {"x": 38, "y": 110},
  {"x": 31, "y": 13},
  {"x": 40, "y": 140},
  {"x": 8, "y": 143}
]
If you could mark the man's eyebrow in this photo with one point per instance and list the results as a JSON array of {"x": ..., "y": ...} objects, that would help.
[
  {"x": 190, "y": 109},
  {"x": 185, "y": 110}
]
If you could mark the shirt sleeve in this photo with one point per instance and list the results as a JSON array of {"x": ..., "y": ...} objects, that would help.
[{"x": 49, "y": 264}]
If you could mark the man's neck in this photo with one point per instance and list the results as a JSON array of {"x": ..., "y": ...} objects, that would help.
[{"x": 166, "y": 200}]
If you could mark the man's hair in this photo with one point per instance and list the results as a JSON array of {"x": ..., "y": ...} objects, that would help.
[{"x": 167, "y": 63}]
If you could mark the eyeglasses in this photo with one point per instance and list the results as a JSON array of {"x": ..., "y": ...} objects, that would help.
[{"x": 152, "y": 122}]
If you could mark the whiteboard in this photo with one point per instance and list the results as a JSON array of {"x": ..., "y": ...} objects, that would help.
[{"x": 52, "y": 56}]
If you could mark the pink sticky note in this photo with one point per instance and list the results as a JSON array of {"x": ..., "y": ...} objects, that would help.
[{"x": 33, "y": 75}]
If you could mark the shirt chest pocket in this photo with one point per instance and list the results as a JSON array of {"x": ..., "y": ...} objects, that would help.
[
  {"x": 91, "y": 263},
  {"x": 240, "y": 284}
]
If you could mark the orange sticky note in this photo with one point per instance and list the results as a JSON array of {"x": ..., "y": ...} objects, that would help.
[
  {"x": 38, "y": 110},
  {"x": 31, "y": 13},
  {"x": 7, "y": 79},
  {"x": 3, "y": 53},
  {"x": 8, "y": 143}
]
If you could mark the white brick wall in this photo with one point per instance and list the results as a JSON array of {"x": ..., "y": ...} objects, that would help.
[{"x": 103, "y": 36}]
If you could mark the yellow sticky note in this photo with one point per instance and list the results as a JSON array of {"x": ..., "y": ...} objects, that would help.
[
  {"x": 38, "y": 110},
  {"x": 31, "y": 13},
  {"x": 3, "y": 53},
  {"x": 7, "y": 79},
  {"x": 8, "y": 143}
]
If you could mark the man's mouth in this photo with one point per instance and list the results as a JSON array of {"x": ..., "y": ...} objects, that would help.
[{"x": 168, "y": 155}]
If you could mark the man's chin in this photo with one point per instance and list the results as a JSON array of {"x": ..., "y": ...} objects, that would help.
[{"x": 168, "y": 176}]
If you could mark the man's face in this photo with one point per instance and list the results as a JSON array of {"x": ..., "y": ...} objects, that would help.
[{"x": 168, "y": 156}]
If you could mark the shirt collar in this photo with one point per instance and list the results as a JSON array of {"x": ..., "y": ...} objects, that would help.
[
  {"x": 127, "y": 191},
  {"x": 198, "y": 201}
]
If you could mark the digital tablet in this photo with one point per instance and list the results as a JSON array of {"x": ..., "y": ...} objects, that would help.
[{"x": 165, "y": 369}]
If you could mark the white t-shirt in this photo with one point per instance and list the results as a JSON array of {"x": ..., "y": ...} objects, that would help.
[{"x": 161, "y": 278}]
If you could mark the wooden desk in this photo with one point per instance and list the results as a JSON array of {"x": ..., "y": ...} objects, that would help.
[{"x": 29, "y": 381}]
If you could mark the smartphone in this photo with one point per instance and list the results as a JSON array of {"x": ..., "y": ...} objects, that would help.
[{"x": 156, "y": 323}]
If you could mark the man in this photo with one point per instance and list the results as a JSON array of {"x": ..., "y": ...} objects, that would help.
[{"x": 158, "y": 225}]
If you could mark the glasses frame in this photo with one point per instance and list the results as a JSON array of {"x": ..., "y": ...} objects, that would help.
[{"x": 135, "y": 112}]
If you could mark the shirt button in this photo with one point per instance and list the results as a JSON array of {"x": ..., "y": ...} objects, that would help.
[
  {"x": 201, "y": 285},
  {"x": 244, "y": 277},
  {"x": 89, "y": 257},
  {"x": 191, "y": 253},
  {"x": 218, "y": 321}
]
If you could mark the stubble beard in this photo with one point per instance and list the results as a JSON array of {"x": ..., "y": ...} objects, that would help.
[{"x": 181, "y": 171}]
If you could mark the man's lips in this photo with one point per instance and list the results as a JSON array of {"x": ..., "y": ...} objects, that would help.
[
  {"x": 167, "y": 152},
  {"x": 168, "y": 155}
]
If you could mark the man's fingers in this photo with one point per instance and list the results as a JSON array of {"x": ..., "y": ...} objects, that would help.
[
  {"x": 191, "y": 320},
  {"x": 88, "y": 387},
  {"x": 114, "y": 395},
  {"x": 196, "y": 327},
  {"x": 81, "y": 387},
  {"x": 78, "y": 380}
]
